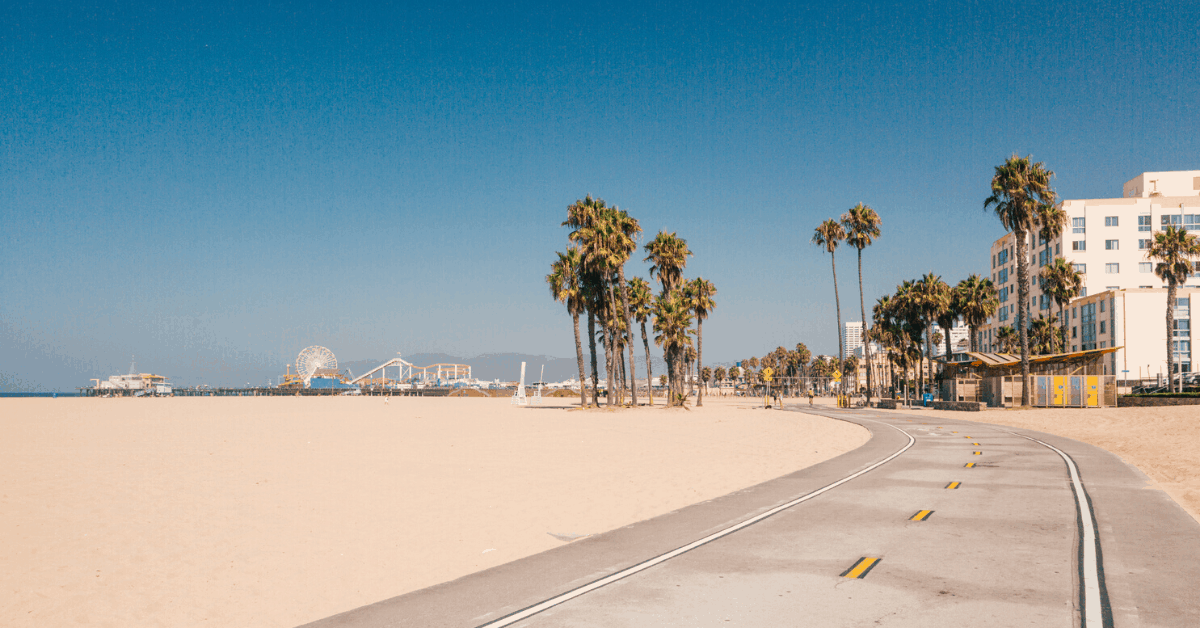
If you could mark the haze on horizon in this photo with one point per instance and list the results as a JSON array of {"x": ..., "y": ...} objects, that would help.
[{"x": 213, "y": 186}]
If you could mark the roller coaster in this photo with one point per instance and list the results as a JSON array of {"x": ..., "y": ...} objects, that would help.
[{"x": 316, "y": 367}]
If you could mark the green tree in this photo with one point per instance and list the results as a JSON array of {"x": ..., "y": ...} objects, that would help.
[
  {"x": 1062, "y": 282},
  {"x": 977, "y": 300},
  {"x": 565, "y": 287},
  {"x": 1173, "y": 249},
  {"x": 1019, "y": 189},
  {"x": 829, "y": 235},
  {"x": 932, "y": 298},
  {"x": 861, "y": 225},
  {"x": 672, "y": 323},
  {"x": 642, "y": 304},
  {"x": 1043, "y": 337},
  {"x": 699, "y": 293},
  {"x": 1008, "y": 339},
  {"x": 667, "y": 254}
]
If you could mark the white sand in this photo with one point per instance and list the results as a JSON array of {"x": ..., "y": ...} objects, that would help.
[
  {"x": 1163, "y": 442},
  {"x": 279, "y": 511}
]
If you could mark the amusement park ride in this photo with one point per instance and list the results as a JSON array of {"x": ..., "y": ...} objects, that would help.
[{"x": 316, "y": 367}]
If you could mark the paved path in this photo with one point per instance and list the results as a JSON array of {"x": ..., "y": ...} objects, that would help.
[{"x": 913, "y": 529}]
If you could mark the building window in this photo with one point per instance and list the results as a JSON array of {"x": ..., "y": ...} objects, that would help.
[
  {"x": 1111, "y": 288},
  {"x": 1073, "y": 331},
  {"x": 1110, "y": 221},
  {"x": 1102, "y": 329},
  {"x": 1078, "y": 225},
  {"x": 1112, "y": 269},
  {"x": 1143, "y": 244},
  {"x": 1080, "y": 268},
  {"x": 1083, "y": 292},
  {"x": 1058, "y": 248},
  {"x": 1079, "y": 245},
  {"x": 1145, "y": 267},
  {"x": 1144, "y": 223},
  {"x": 1183, "y": 328},
  {"x": 1002, "y": 257},
  {"x": 1183, "y": 303},
  {"x": 1111, "y": 245}
]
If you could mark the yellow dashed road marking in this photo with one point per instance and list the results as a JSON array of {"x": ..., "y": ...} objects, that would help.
[
  {"x": 860, "y": 568},
  {"x": 969, "y": 465},
  {"x": 921, "y": 515},
  {"x": 978, "y": 453},
  {"x": 954, "y": 485}
]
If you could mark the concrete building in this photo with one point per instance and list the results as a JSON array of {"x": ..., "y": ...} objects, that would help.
[
  {"x": 852, "y": 336},
  {"x": 1106, "y": 240}
]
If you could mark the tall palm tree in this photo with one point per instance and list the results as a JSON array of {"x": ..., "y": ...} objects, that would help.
[
  {"x": 1062, "y": 282},
  {"x": 699, "y": 293},
  {"x": 582, "y": 214},
  {"x": 641, "y": 302},
  {"x": 565, "y": 287},
  {"x": 829, "y": 235},
  {"x": 672, "y": 323},
  {"x": 1019, "y": 188},
  {"x": 1173, "y": 249},
  {"x": 932, "y": 299},
  {"x": 976, "y": 298},
  {"x": 629, "y": 229},
  {"x": 861, "y": 224},
  {"x": 668, "y": 255}
]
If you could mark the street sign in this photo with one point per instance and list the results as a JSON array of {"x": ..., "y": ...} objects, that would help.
[
  {"x": 768, "y": 374},
  {"x": 837, "y": 376}
]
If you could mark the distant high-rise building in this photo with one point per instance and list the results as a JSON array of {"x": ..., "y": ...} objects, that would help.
[{"x": 852, "y": 336}]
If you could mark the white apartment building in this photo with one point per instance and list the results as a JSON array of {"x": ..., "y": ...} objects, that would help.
[
  {"x": 1106, "y": 240},
  {"x": 852, "y": 336}
]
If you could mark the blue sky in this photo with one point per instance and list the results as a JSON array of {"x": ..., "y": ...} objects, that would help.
[{"x": 213, "y": 186}]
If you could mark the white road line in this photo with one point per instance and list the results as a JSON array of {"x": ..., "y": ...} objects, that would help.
[
  {"x": 569, "y": 595},
  {"x": 1093, "y": 616}
]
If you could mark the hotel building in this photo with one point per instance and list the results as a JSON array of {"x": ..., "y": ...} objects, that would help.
[{"x": 1123, "y": 303}]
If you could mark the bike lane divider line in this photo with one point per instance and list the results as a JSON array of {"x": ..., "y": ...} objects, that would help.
[
  {"x": 861, "y": 567},
  {"x": 534, "y": 609}
]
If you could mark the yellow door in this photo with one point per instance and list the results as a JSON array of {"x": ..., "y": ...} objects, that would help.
[
  {"x": 1060, "y": 390},
  {"x": 1093, "y": 391}
]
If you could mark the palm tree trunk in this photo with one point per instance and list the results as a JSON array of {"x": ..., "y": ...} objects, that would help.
[
  {"x": 862, "y": 307},
  {"x": 1171, "y": 338},
  {"x": 700, "y": 359},
  {"x": 579, "y": 359},
  {"x": 611, "y": 328},
  {"x": 595, "y": 369},
  {"x": 649, "y": 373},
  {"x": 929, "y": 359},
  {"x": 628, "y": 326},
  {"x": 1023, "y": 311},
  {"x": 1062, "y": 314},
  {"x": 974, "y": 333},
  {"x": 837, "y": 302}
]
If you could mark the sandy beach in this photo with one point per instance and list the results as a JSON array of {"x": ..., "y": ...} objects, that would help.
[
  {"x": 1163, "y": 442},
  {"x": 279, "y": 511}
]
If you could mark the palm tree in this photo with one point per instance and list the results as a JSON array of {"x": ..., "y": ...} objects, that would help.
[
  {"x": 1043, "y": 337},
  {"x": 719, "y": 375},
  {"x": 1173, "y": 249},
  {"x": 565, "y": 287},
  {"x": 1019, "y": 189},
  {"x": 829, "y": 235},
  {"x": 582, "y": 215},
  {"x": 668, "y": 255},
  {"x": 706, "y": 376},
  {"x": 932, "y": 299},
  {"x": 861, "y": 224},
  {"x": 640, "y": 301},
  {"x": 672, "y": 323},
  {"x": 699, "y": 293},
  {"x": 629, "y": 229},
  {"x": 977, "y": 300},
  {"x": 1008, "y": 339},
  {"x": 1063, "y": 283},
  {"x": 733, "y": 374}
]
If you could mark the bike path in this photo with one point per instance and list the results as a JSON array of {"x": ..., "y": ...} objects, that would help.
[{"x": 1002, "y": 547}]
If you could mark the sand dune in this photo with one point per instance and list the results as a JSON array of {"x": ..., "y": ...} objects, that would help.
[{"x": 278, "y": 511}]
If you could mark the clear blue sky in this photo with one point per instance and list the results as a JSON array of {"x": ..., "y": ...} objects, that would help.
[{"x": 212, "y": 186}]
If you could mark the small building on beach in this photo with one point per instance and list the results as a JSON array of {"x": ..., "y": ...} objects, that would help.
[{"x": 1061, "y": 380}]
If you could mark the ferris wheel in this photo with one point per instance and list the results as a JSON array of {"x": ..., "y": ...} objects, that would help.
[{"x": 314, "y": 358}]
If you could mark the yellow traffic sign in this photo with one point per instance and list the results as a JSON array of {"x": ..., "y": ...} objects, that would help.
[
  {"x": 837, "y": 376},
  {"x": 767, "y": 374}
]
